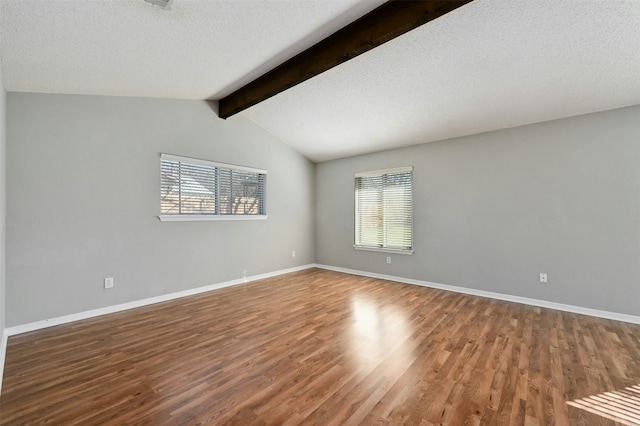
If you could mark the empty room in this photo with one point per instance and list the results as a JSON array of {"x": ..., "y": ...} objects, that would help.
[{"x": 322, "y": 212}]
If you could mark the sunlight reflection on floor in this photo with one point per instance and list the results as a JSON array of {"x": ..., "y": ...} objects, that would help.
[
  {"x": 622, "y": 406},
  {"x": 377, "y": 331}
]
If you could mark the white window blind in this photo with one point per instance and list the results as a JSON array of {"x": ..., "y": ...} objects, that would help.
[
  {"x": 192, "y": 188},
  {"x": 384, "y": 210}
]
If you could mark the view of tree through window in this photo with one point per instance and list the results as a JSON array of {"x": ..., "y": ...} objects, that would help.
[{"x": 198, "y": 187}]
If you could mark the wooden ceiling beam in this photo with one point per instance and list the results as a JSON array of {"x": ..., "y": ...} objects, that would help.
[{"x": 384, "y": 23}]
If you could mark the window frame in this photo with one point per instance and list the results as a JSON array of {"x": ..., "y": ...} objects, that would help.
[
  {"x": 385, "y": 249},
  {"x": 169, "y": 217}
]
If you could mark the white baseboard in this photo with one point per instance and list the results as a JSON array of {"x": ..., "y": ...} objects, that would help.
[
  {"x": 25, "y": 328},
  {"x": 499, "y": 296}
]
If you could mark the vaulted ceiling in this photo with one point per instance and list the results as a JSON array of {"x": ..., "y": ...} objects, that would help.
[{"x": 488, "y": 65}]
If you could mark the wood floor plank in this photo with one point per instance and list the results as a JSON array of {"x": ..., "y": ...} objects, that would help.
[{"x": 321, "y": 347}]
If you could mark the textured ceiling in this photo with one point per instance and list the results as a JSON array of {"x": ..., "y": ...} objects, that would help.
[
  {"x": 199, "y": 49},
  {"x": 488, "y": 65}
]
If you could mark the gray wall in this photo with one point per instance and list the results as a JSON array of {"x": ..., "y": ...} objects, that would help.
[
  {"x": 83, "y": 195},
  {"x": 3, "y": 193},
  {"x": 494, "y": 210}
]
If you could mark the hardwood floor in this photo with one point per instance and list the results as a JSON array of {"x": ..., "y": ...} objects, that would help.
[{"x": 319, "y": 347}]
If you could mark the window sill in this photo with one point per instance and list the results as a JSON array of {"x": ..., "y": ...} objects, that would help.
[
  {"x": 208, "y": 217},
  {"x": 384, "y": 250}
]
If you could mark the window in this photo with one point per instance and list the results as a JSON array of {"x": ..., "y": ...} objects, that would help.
[
  {"x": 192, "y": 189},
  {"x": 384, "y": 210}
]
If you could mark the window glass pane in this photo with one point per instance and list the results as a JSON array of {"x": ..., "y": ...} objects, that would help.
[
  {"x": 197, "y": 189},
  {"x": 241, "y": 192},
  {"x": 170, "y": 187},
  {"x": 384, "y": 210},
  {"x": 187, "y": 188}
]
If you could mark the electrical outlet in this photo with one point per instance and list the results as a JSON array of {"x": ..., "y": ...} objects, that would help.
[
  {"x": 543, "y": 277},
  {"x": 108, "y": 282},
  {"x": 293, "y": 253},
  {"x": 388, "y": 260}
]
